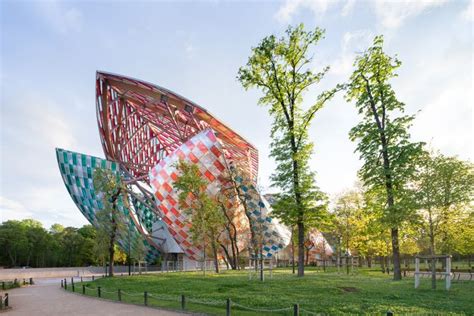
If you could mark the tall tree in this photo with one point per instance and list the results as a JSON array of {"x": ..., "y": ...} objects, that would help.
[
  {"x": 111, "y": 219},
  {"x": 444, "y": 185},
  {"x": 383, "y": 139},
  {"x": 282, "y": 69},
  {"x": 206, "y": 218}
]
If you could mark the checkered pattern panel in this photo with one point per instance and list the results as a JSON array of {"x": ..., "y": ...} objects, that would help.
[
  {"x": 276, "y": 236},
  {"x": 145, "y": 215},
  {"x": 206, "y": 152},
  {"x": 77, "y": 172}
]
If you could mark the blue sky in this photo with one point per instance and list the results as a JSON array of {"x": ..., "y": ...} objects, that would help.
[{"x": 50, "y": 51}]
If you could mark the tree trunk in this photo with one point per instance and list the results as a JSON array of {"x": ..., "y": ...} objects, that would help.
[
  {"x": 292, "y": 250},
  {"x": 397, "y": 273},
  {"x": 432, "y": 251},
  {"x": 111, "y": 257},
  {"x": 216, "y": 260},
  {"x": 300, "y": 249},
  {"x": 204, "y": 259},
  {"x": 228, "y": 259}
]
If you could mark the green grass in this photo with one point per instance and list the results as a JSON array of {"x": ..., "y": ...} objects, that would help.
[
  {"x": 6, "y": 285},
  {"x": 367, "y": 292}
]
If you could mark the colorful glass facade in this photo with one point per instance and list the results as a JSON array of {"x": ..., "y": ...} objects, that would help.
[{"x": 144, "y": 130}]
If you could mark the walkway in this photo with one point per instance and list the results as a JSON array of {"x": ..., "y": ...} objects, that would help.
[{"x": 47, "y": 298}]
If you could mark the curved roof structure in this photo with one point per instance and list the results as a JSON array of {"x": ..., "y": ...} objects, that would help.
[
  {"x": 140, "y": 123},
  {"x": 145, "y": 129}
]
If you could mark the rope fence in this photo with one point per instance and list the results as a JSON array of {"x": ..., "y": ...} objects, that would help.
[
  {"x": 181, "y": 301},
  {"x": 5, "y": 285}
]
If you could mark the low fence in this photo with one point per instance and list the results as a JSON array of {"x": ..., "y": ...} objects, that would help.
[
  {"x": 455, "y": 276},
  {"x": 10, "y": 284},
  {"x": 175, "y": 302}
]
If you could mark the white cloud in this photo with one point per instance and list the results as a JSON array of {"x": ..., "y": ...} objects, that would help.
[
  {"x": 291, "y": 7},
  {"x": 60, "y": 17},
  {"x": 351, "y": 44},
  {"x": 441, "y": 85},
  {"x": 348, "y": 7},
  {"x": 392, "y": 14},
  {"x": 448, "y": 113},
  {"x": 10, "y": 210},
  {"x": 468, "y": 13},
  {"x": 389, "y": 13}
]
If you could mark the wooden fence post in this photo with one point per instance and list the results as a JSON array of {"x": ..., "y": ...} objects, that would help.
[
  {"x": 296, "y": 310},
  {"x": 98, "y": 291},
  {"x": 183, "y": 302},
  {"x": 119, "y": 293},
  {"x": 228, "y": 307},
  {"x": 145, "y": 298},
  {"x": 448, "y": 272}
]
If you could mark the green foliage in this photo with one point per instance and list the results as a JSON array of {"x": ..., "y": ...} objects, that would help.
[
  {"x": 282, "y": 69},
  {"x": 444, "y": 193},
  {"x": 368, "y": 292},
  {"x": 206, "y": 220},
  {"x": 388, "y": 155},
  {"x": 111, "y": 221},
  {"x": 27, "y": 243},
  {"x": 383, "y": 139}
]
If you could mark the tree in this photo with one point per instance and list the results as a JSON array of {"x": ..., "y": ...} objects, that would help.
[
  {"x": 89, "y": 234},
  {"x": 281, "y": 68},
  {"x": 207, "y": 221},
  {"x": 241, "y": 187},
  {"x": 13, "y": 242},
  {"x": 110, "y": 219},
  {"x": 230, "y": 195},
  {"x": 443, "y": 185},
  {"x": 383, "y": 139}
]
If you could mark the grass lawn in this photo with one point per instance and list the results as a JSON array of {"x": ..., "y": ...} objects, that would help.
[{"x": 367, "y": 292}]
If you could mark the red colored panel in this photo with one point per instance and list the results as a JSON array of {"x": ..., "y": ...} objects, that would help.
[
  {"x": 209, "y": 175},
  {"x": 216, "y": 151}
]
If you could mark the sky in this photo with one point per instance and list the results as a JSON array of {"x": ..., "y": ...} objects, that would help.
[{"x": 50, "y": 51}]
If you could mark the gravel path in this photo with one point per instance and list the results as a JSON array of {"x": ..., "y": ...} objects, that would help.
[{"x": 47, "y": 298}]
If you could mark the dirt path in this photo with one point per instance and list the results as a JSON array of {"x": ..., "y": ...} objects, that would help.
[{"x": 47, "y": 298}]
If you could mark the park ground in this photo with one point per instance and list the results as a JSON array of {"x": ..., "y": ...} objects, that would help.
[
  {"x": 46, "y": 298},
  {"x": 368, "y": 291}
]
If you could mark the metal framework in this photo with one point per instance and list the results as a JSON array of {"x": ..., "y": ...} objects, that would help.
[
  {"x": 144, "y": 129},
  {"x": 140, "y": 123}
]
